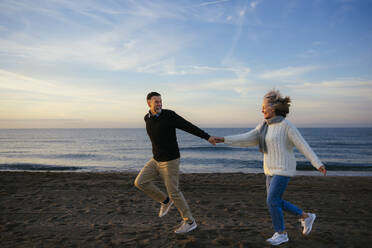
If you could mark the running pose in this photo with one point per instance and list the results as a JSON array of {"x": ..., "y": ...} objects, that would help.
[
  {"x": 161, "y": 127},
  {"x": 276, "y": 138}
]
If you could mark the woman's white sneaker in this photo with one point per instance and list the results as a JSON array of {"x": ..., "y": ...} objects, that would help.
[
  {"x": 278, "y": 238},
  {"x": 186, "y": 227},
  {"x": 308, "y": 223}
]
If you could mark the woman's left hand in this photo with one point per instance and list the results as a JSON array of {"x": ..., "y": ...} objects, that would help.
[{"x": 323, "y": 170}]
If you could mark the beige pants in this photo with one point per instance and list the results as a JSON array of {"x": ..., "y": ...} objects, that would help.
[{"x": 169, "y": 172}]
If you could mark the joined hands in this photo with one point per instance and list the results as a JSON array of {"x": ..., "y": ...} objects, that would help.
[{"x": 214, "y": 140}]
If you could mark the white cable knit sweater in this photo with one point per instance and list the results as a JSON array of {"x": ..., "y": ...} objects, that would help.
[{"x": 280, "y": 140}]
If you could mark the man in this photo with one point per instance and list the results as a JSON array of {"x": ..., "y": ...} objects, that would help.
[{"x": 161, "y": 127}]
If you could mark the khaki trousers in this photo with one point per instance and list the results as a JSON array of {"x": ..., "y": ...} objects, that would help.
[{"x": 169, "y": 172}]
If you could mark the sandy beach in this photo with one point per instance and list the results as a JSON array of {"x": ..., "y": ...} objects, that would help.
[{"x": 105, "y": 210}]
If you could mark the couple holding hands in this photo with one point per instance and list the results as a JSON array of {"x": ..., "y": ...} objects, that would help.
[{"x": 276, "y": 138}]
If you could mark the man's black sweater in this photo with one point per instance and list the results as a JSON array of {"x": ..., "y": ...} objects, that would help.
[{"x": 162, "y": 132}]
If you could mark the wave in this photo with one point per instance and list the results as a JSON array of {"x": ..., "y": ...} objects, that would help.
[
  {"x": 57, "y": 141},
  {"x": 72, "y": 156},
  {"x": 301, "y": 165},
  {"x": 340, "y": 144},
  {"x": 122, "y": 149},
  {"x": 226, "y": 162},
  {"x": 336, "y": 166},
  {"x": 38, "y": 141},
  {"x": 38, "y": 167},
  {"x": 14, "y": 152},
  {"x": 214, "y": 148},
  {"x": 76, "y": 156},
  {"x": 63, "y": 158},
  {"x": 89, "y": 156}
]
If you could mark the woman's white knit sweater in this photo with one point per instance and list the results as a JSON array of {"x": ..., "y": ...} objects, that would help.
[{"x": 280, "y": 139}]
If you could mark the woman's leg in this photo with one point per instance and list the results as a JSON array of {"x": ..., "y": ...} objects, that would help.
[
  {"x": 275, "y": 186},
  {"x": 289, "y": 207}
]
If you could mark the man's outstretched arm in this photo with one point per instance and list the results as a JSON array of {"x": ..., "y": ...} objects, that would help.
[{"x": 188, "y": 127}]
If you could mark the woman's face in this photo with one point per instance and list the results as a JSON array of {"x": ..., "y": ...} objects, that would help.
[{"x": 267, "y": 110}]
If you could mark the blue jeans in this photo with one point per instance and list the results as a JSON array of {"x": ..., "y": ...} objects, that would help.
[{"x": 275, "y": 187}]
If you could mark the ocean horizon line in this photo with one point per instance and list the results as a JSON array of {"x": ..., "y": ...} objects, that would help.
[{"x": 203, "y": 127}]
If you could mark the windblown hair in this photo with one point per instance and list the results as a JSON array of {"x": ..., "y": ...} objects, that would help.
[
  {"x": 151, "y": 94},
  {"x": 280, "y": 104}
]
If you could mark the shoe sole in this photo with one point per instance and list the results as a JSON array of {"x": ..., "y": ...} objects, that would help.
[
  {"x": 192, "y": 228},
  {"x": 167, "y": 210},
  {"x": 311, "y": 226}
]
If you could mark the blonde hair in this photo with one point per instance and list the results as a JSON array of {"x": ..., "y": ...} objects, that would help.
[{"x": 277, "y": 102}]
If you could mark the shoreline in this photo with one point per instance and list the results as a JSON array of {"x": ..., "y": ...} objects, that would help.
[
  {"x": 106, "y": 210},
  {"x": 306, "y": 173}
]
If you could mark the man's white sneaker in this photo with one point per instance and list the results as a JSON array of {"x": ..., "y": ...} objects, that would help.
[
  {"x": 308, "y": 223},
  {"x": 164, "y": 208},
  {"x": 186, "y": 227},
  {"x": 278, "y": 238}
]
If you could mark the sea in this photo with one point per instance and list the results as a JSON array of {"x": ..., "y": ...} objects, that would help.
[{"x": 344, "y": 151}]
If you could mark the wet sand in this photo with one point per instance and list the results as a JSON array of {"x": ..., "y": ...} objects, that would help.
[{"x": 105, "y": 210}]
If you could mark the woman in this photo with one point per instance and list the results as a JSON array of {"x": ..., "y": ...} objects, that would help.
[{"x": 276, "y": 138}]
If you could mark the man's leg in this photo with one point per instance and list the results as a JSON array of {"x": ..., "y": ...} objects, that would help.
[
  {"x": 144, "y": 181},
  {"x": 169, "y": 171}
]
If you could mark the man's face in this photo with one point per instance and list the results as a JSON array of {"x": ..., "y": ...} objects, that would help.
[{"x": 155, "y": 104}]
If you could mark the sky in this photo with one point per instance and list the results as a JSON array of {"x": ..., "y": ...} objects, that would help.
[{"x": 90, "y": 64}]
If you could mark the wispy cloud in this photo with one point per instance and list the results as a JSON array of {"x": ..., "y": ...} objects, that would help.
[
  {"x": 169, "y": 67},
  {"x": 342, "y": 101},
  {"x": 233, "y": 87},
  {"x": 120, "y": 40},
  {"x": 314, "y": 50},
  {"x": 287, "y": 73},
  {"x": 13, "y": 85},
  {"x": 309, "y": 53},
  {"x": 316, "y": 43},
  {"x": 339, "y": 83},
  {"x": 348, "y": 88},
  {"x": 253, "y": 5},
  {"x": 24, "y": 97},
  {"x": 213, "y": 2},
  {"x": 112, "y": 50},
  {"x": 241, "y": 17},
  {"x": 65, "y": 59}
]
